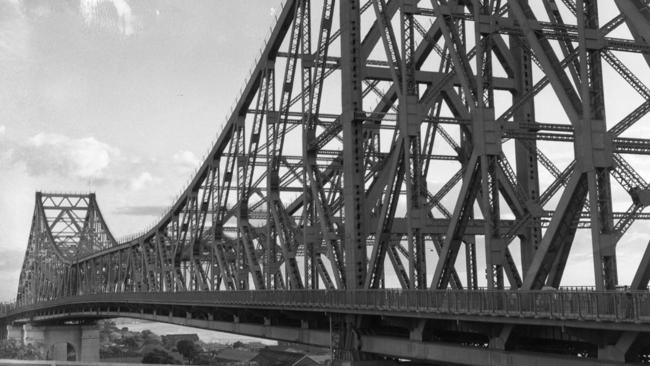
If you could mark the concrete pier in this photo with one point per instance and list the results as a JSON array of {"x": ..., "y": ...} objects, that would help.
[{"x": 83, "y": 339}]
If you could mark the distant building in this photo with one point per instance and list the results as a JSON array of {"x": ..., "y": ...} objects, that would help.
[{"x": 271, "y": 357}]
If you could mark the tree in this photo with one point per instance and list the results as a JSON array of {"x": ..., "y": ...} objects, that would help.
[
  {"x": 130, "y": 341},
  {"x": 11, "y": 349},
  {"x": 188, "y": 349},
  {"x": 150, "y": 338},
  {"x": 159, "y": 356}
]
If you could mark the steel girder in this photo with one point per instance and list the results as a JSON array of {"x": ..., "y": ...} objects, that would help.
[
  {"x": 336, "y": 167},
  {"x": 398, "y": 103},
  {"x": 65, "y": 227}
]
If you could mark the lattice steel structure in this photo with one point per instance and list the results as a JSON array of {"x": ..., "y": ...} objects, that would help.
[{"x": 377, "y": 143}]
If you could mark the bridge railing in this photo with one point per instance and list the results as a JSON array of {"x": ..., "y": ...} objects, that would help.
[
  {"x": 615, "y": 306},
  {"x": 588, "y": 305}
]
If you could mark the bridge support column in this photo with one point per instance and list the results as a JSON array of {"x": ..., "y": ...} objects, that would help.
[
  {"x": 611, "y": 353},
  {"x": 33, "y": 334},
  {"x": 90, "y": 343},
  {"x": 84, "y": 339},
  {"x": 617, "y": 352},
  {"x": 346, "y": 342},
  {"x": 58, "y": 352}
]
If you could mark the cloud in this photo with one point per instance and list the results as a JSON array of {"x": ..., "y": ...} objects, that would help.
[
  {"x": 3, "y": 130},
  {"x": 11, "y": 260},
  {"x": 186, "y": 158},
  {"x": 14, "y": 36},
  {"x": 95, "y": 12},
  {"x": 142, "y": 181},
  {"x": 113, "y": 15},
  {"x": 64, "y": 156}
]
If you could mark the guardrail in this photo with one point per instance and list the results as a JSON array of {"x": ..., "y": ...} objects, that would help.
[
  {"x": 617, "y": 306},
  {"x": 589, "y": 305}
]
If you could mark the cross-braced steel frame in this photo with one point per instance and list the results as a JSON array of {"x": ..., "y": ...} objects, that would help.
[{"x": 394, "y": 143}]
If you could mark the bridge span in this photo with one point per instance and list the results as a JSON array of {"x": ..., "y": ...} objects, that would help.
[
  {"x": 445, "y": 326},
  {"x": 398, "y": 179}
]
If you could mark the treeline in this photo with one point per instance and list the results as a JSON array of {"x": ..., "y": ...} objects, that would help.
[{"x": 15, "y": 350}]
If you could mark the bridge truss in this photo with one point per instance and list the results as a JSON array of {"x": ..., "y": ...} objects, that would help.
[{"x": 394, "y": 143}]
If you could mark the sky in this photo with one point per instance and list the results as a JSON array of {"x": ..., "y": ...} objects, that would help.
[
  {"x": 124, "y": 97},
  {"x": 118, "y": 97}
]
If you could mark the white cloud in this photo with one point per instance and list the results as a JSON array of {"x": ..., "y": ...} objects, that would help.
[
  {"x": 14, "y": 36},
  {"x": 3, "y": 130},
  {"x": 142, "y": 181},
  {"x": 186, "y": 158},
  {"x": 90, "y": 10},
  {"x": 58, "y": 154}
]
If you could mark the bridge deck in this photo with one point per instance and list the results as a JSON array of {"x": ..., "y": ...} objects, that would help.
[{"x": 528, "y": 307}]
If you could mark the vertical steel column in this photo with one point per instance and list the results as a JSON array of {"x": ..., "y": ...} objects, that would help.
[
  {"x": 309, "y": 219},
  {"x": 469, "y": 239},
  {"x": 598, "y": 160},
  {"x": 272, "y": 185},
  {"x": 242, "y": 214},
  {"x": 526, "y": 158},
  {"x": 487, "y": 144},
  {"x": 410, "y": 120},
  {"x": 466, "y": 149},
  {"x": 353, "y": 168}
]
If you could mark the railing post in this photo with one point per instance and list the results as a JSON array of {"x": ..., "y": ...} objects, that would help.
[{"x": 579, "y": 304}]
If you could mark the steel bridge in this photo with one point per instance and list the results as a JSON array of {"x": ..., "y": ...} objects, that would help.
[{"x": 381, "y": 154}]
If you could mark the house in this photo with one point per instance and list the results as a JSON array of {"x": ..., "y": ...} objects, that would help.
[
  {"x": 306, "y": 361},
  {"x": 235, "y": 355},
  {"x": 271, "y": 357},
  {"x": 312, "y": 360}
]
